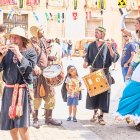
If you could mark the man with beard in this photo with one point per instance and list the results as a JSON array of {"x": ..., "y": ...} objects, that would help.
[
  {"x": 41, "y": 89},
  {"x": 104, "y": 59}
]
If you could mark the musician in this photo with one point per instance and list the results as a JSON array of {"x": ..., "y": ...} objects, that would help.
[
  {"x": 3, "y": 31},
  {"x": 99, "y": 103},
  {"x": 17, "y": 61},
  {"x": 41, "y": 89}
]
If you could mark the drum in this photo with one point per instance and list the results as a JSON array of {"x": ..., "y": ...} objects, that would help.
[
  {"x": 54, "y": 75},
  {"x": 96, "y": 82}
]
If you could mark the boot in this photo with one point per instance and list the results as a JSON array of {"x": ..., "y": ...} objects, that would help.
[
  {"x": 49, "y": 119},
  {"x": 35, "y": 120}
]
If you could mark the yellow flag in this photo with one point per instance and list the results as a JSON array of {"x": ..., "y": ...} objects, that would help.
[
  {"x": 122, "y": 3},
  {"x": 101, "y": 4}
]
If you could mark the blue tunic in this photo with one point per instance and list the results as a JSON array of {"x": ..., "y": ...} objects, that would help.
[{"x": 12, "y": 74}]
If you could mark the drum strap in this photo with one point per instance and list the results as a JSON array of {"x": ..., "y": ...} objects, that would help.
[{"x": 98, "y": 54}]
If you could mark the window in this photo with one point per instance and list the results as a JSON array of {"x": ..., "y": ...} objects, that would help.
[{"x": 17, "y": 20}]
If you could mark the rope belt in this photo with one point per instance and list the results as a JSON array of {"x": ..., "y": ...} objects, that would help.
[{"x": 16, "y": 110}]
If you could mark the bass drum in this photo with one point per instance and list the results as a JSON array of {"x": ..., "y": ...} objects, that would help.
[{"x": 54, "y": 75}]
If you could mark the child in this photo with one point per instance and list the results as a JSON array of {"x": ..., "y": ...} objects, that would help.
[{"x": 73, "y": 87}]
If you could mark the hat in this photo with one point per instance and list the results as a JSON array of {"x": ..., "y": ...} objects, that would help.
[
  {"x": 34, "y": 30},
  {"x": 102, "y": 29},
  {"x": 19, "y": 31}
]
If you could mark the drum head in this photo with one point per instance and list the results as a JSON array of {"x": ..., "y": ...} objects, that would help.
[{"x": 52, "y": 71}]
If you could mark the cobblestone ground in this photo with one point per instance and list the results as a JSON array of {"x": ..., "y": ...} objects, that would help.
[{"x": 84, "y": 129}]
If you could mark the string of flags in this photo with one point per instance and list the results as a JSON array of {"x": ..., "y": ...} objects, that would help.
[
  {"x": 10, "y": 14},
  {"x": 35, "y": 16}
]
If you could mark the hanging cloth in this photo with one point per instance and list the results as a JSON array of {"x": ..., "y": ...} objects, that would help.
[
  {"x": 10, "y": 2},
  {"x": 32, "y": 2}
]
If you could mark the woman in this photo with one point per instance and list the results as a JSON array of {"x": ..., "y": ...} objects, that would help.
[
  {"x": 134, "y": 34},
  {"x": 17, "y": 62},
  {"x": 129, "y": 105}
]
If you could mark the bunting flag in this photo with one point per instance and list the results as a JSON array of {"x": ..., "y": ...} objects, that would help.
[
  {"x": 21, "y": 3},
  {"x": 139, "y": 8},
  {"x": 60, "y": 17},
  {"x": 32, "y": 2},
  {"x": 1, "y": 11},
  {"x": 10, "y": 14},
  {"x": 122, "y": 3},
  {"x": 48, "y": 16},
  {"x": 75, "y": 15},
  {"x": 88, "y": 15},
  {"x": 75, "y": 4},
  {"x": 35, "y": 16},
  {"x": 101, "y": 4},
  {"x": 6, "y": 2}
]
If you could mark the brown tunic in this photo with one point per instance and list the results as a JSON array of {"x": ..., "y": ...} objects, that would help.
[{"x": 41, "y": 89}]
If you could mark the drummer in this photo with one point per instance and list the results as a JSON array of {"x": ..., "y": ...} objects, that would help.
[
  {"x": 41, "y": 89},
  {"x": 99, "y": 103}
]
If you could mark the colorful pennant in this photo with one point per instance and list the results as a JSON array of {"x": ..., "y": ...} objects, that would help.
[
  {"x": 32, "y": 2},
  {"x": 48, "y": 16},
  {"x": 35, "y": 16},
  {"x": 139, "y": 8},
  {"x": 10, "y": 14},
  {"x": 75, "y": 15},
  {"x": 122, "y": 3},
  {"x": 101, "y": 4},
  {"x": 88, "y": 15},
  {"x": 60, "y": 17},
  {"x": 1, "y": 10},
  {"x": 6, "y": 2}
]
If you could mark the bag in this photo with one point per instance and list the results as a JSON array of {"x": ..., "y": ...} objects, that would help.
[
  {"x": 64, "y": 92},
  {"x": 111, "y": 80}
]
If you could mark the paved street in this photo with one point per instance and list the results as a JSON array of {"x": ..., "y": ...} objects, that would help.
[{"x": 83, "y": 129}]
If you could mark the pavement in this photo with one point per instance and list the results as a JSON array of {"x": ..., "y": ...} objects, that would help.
[{"x": 83, "y": 129}]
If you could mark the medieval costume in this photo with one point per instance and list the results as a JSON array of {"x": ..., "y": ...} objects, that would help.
[
  {"x": 15, "y": 109},
  {"x": 41, "y": 89},
  {"x": 99, "y": 56}
]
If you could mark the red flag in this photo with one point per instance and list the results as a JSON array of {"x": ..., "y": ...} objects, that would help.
[
  {"x": 88, "y": 15},
  {"x": 139, "y": 8},
  {"x": 75, "y": 15},
  {"x": 32, "y": 2}
]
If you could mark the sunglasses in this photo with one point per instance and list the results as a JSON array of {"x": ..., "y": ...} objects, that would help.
[{"x": 125, "y": 36}]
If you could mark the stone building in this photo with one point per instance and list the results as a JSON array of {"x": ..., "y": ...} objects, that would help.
[{"x": 80, "y": 17}]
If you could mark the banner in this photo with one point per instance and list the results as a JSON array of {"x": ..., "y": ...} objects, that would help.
[
  {"x": 32, "y": 2},
  {"x": 88, "y": 15},
  {"x": 122, "y": 3},
  {"x": 8, "y": 2},
  {"x": 75, "y": 15},
  {"x": 101, "y": 4},
  {"x": 1, "y": 11},
  {"x": 60, "y": 17},
  {"x": 48, "y": 16},
  {"x": 10, "y": 14},
  {"x": 35, "y": 16}
]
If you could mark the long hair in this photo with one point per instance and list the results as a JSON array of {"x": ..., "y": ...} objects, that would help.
[
  {"x": 138, "y": 31},
  {"x": 68, "y": 68},
  {"x": 26, "y": 42}
]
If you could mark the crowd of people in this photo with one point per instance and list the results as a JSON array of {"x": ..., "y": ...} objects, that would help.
[{"x": 22, "y": 61}]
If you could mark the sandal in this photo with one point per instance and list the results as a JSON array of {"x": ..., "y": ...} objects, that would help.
[
  {"x": 100, "y": 120},
  {"x": 137, "y": 127},
  {"x": 94, "y": 119},
  {"x": 128, "y": 120}
]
